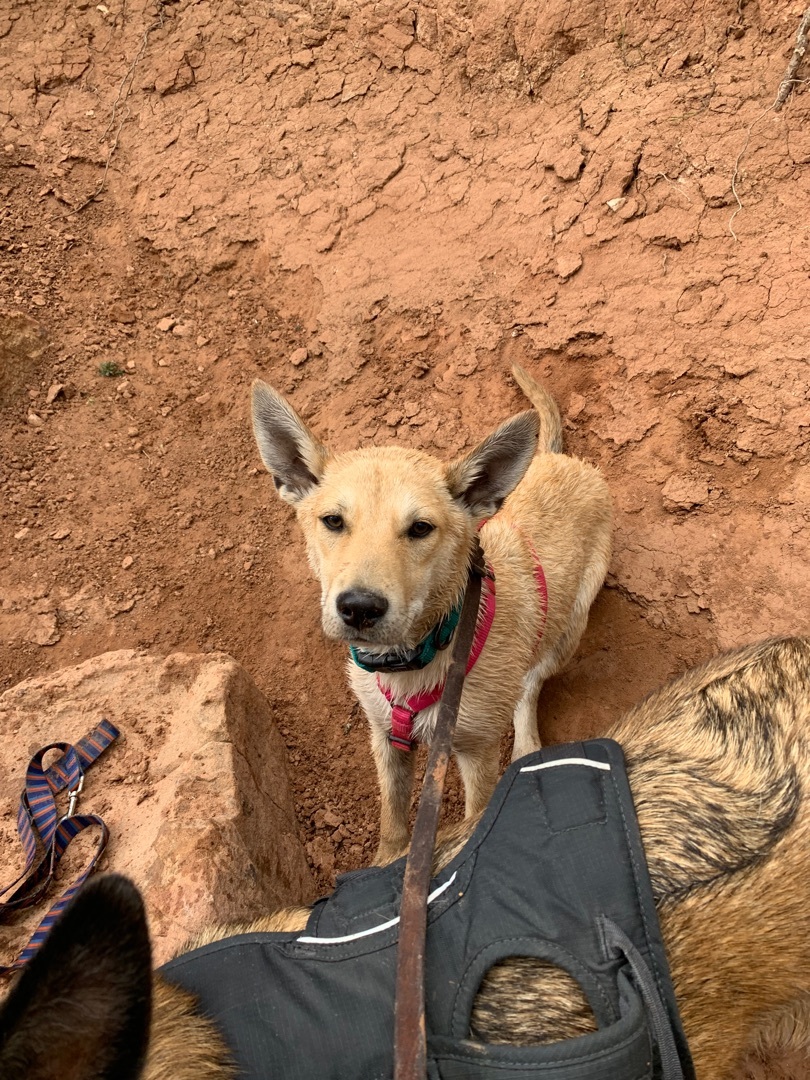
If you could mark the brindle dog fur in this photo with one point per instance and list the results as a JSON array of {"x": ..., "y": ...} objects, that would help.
[{"x": 719, "y": 766}]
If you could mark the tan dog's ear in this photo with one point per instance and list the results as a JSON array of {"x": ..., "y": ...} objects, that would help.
[
  {"x": 483, "y": 479},
  {"x": 291, "y": 454}
]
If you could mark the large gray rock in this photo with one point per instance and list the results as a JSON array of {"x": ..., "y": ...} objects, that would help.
[{"x": 195, "y": 792}]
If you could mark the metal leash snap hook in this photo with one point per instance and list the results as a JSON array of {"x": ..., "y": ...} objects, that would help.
[{"x": 73, "y": 796}]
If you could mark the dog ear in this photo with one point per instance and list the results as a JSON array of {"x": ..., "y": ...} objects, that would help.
[
  {"x": 291, "y": 454},
  {"x": 82, "y": 1006},
  {"x": 483, "y": 479}
]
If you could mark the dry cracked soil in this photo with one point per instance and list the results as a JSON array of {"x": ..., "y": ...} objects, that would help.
[{"x": 379, "y": 207}]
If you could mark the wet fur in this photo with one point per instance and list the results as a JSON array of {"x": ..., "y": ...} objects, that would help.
[{"x": 719, "y": 765}]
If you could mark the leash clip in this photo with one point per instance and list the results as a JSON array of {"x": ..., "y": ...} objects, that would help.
[{"x": 73, "y": 797}]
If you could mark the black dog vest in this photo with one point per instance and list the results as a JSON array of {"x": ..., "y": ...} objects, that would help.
[{"x": 555, "y": 869}]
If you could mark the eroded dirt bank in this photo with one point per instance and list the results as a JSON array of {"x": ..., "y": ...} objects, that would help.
[{"x": 379, "y": 207}]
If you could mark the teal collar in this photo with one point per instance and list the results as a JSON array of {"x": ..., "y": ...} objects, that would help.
[{"x": 411, "y": 659}]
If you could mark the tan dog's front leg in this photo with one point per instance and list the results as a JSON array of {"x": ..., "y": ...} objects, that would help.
[
  {"x": 395, "y": 774},
  {"x": 479, "y": 771}
]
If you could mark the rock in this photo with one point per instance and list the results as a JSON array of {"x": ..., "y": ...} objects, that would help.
[
  {"x": 385, "y": 50},
  {"x": 631, "y": 420},
  {"x": 716, "y": 190},
  {"x": 684, "y": 493},
  {"x": 35, "y": 420},
  {"x": 43, "y": 629},
  {"x": 120, "y": 313},
  {"x": 167, "y": 324},
  {"x": 22, "y": 342},
  {"x": 37, "y": 629},
  {"x": 195, "y": 792},
  {"x": 327, "y": 241},
  {"x": 21, "y": 535},
  {"x": 299, "y": 357},
  {"x": 322, "y": 854},
  {"x": 628, "y": 210},
  {"x": 60, "y": 534},
  {"x": 670, "y": 228},
  {"x": 304, "y": 58},
  {"x": 420, "y": 59},
  {"x": 569, "y": 164},
  {"x": 115, "y": 607},
  {"x": 576, "y": 403},
  {"x": 329, "y": 86},
  {"x": 126, "y": 562},
  {"x": 567, "y": 264},
  {"x": 397, "y": 36},
  {"x": 55, "y": 390}
]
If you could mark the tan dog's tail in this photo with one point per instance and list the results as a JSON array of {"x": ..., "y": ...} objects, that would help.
[{"x": 550, "y": 440}]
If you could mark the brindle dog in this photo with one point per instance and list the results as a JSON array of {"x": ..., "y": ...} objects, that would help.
[{"x": 719, "y": 765}]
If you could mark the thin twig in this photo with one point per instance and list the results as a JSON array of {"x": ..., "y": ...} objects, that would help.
[
  {"x": 736, "y": 172},
  {"x": 785, "y": 87},
  {"x": 672, "y": 182},
  {"x": 120, "y": 99},
  {"x": 789, "y": 81},
  {"x": 130, "y": 75}
]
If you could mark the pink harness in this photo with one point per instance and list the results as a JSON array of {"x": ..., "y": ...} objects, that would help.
[{"x": 403, "y": 715}]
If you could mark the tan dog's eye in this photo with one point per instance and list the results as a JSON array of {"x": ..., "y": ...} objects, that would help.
[
  {"x": 420, "y": 529},
  {"x": 333, "y": 522}
]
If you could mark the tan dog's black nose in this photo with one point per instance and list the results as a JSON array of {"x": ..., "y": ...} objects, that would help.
[{"x": 360, "y": 608}]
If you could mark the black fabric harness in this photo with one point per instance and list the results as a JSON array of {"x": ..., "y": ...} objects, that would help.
[{"x": 555, "y": 869}]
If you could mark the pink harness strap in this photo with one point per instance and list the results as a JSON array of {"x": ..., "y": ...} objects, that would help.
[
  {"x": 539, "y": 578},
  {"x": 403, "y": 715}
]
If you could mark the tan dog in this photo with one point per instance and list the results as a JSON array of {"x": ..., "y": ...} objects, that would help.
[
  {"x": 719, "y": 767},
  {"x": 389, "y": 533}
]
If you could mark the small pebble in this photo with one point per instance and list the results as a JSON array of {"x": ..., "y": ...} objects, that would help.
[{"x": 126, "y": 562}]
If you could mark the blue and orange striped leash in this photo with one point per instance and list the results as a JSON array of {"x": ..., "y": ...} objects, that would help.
[{"x": 45, "y": 836}]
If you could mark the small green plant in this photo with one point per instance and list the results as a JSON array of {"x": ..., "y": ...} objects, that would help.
[{"x": 108, "y": 369}]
